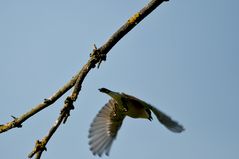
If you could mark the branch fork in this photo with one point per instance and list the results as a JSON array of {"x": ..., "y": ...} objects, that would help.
[{"x": 96, "y": 58}]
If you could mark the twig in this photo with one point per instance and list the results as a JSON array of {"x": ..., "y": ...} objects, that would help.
[
  {"x": 17, "y": 122},
  {"x": 40, "y": 145},
  {"x": 130, "y": 24}
]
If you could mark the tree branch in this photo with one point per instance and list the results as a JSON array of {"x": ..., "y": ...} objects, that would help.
[
  {"x": 17, "y": 122},
  {"x": 96, "y": 57},
  {"x": 40, "y": 146}
]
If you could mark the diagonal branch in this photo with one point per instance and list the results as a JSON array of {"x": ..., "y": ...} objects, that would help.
[
  {"x": 17, "y": 122},
  {"x": 120, "y": 33},
  {"x": 96, "y": 57},
  {"x": 40, "y": 145}
]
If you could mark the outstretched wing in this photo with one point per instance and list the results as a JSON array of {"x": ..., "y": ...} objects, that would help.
[
  {"x": 104, "y": 128},
  {"x": 167, "y": 121}
]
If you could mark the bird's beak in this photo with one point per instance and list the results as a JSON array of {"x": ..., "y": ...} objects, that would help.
[{"x": 101, "y": 89}]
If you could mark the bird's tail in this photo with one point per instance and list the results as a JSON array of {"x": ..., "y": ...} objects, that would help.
[{"x": 167, "y": 121}]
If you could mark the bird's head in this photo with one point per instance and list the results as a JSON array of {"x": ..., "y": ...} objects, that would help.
[
  {"x": 115, "y": 95},
  {"x": 105, "y": 90}
]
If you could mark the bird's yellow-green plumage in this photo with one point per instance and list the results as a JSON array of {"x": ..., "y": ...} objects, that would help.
[{"x": 108, "y": 121}]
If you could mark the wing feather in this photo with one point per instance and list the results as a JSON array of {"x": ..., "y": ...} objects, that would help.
[{"x": 104, "y": 128}]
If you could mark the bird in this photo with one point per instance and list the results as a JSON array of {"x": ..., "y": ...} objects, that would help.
[{"x": 104, "y": 128}]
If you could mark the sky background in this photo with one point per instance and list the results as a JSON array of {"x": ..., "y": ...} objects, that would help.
[{"x": 183, "y": 58}]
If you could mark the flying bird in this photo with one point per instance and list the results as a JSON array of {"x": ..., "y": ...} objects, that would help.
[{"x": 105, "y": 126}]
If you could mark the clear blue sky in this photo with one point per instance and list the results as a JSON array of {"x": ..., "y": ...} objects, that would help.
[{"x": 183, "y": 58}]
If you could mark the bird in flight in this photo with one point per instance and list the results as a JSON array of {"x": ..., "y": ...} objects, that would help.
[{"x": 105, "y": 126}]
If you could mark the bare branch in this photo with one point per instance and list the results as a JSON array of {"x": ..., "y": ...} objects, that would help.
[
  {"x": 100, "y": 54},
  {"x": 17, "y": 122},
  {"x": 96, "y": 57},
  {"x": 40, "y": 145}
]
